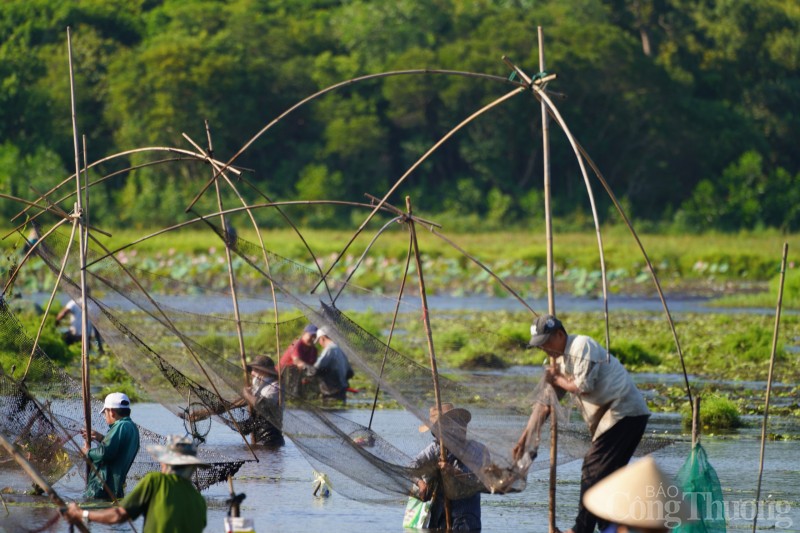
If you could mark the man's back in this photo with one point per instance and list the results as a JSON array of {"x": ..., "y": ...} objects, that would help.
[{"x": 170, "y": 503}]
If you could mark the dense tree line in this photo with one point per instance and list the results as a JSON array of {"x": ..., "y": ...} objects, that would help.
[{"x": 689, "y": 107}]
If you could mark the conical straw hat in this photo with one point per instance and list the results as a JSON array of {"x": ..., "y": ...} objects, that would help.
[{"x": 638, "y": 495}]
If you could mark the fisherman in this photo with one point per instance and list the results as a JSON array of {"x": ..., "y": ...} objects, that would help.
[
  {"x": 332, "y": 368},
  {"x": 264, "y": 395},
  {"x": 74, "y": 333},
  {"x": 463, "y": 486},
  {"x": 167, "y": 499},
  {"x": 638, "y": 498},
  {"x": 295, "y": 382},
  {"x": 302, "y": 349},
  {"x": 610, "y": 403},
  {"x": 114, "y": 455}
]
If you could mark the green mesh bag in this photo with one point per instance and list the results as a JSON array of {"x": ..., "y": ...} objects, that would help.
[{"x": 702, "y": 493}]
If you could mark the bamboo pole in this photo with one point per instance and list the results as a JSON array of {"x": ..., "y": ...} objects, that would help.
[
  {"x": 769, "y": 380},
  {"x": 429, "y": 336},
  {"x": 82, "y": 237},
  {"x": 551, "y": 300},
  {"x": 231, "y": 274},
  {"x": 695, "y": 422},
  {"x": 37, "y": 478}
]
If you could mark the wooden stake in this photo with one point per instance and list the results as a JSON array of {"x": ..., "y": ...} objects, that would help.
[
  {"x": 82, "y": 237},
  {"x": 551, "y": 299},
  {"x": 231, "y": 277},
  {"x": 696, "y": 421},
  {"x": 429, "y": 336},
  {"x": 769, "y": 380}
]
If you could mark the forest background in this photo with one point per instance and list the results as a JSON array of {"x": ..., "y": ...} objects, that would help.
[{"x": 690, "y": 108}]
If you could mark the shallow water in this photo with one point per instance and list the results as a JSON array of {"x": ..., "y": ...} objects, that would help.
[{"x": 279, "y": 487}]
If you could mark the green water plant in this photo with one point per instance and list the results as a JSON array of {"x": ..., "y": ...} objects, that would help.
[{"x": 716, "y": 413}]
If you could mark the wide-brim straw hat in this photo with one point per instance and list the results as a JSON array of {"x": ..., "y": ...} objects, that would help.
[
  {"x": 638, "y": 495},
  {"x": 263, "y": 363},
  {"x": 179, "y": 451},
  {"x": 450, "y": 414}
]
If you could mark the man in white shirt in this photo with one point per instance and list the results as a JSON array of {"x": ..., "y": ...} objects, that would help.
[
  {"x": 332, "y": 368},
  {"x": 75, "y": 312},
  {"x": 610, "y": 403}
]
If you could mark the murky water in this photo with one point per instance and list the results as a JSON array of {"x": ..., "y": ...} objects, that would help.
[{"x": 279, "y": 486}]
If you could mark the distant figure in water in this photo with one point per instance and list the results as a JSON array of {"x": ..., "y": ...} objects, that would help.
[
  {"x": 331, "y": 367},
  {"x": 263, "y": 395},
  {"x": 75, "y": 312}
]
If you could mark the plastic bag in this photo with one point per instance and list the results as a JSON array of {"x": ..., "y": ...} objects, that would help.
[
  {"x": 418, "y": 514},
  {"x": 700, "y": 485}
]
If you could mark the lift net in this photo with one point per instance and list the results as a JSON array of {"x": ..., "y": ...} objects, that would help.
[
  {"x": 41, "y": 412},
  {"x": 183, "y": 354}
]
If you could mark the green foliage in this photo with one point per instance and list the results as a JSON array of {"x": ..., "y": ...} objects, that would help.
[
  {"x": 716, "y": 412},
  {"x": 633, "y": 355},
  {"x": 682, "y": 105},
  {"x": 752, "y": 344},
  {"x": 791, "y": 289},
  {"x": 50, "y": 342}
]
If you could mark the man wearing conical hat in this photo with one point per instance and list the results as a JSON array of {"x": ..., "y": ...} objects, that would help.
[
  {"x": 638, "y": 498},
  {"x": 451, "y": 479},
  {"x": 612, "y": 406}
]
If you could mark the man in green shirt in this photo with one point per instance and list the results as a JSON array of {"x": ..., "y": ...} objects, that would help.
[
  {"x": 114, "y": 455},
  {"x": 168, "y": 500}
]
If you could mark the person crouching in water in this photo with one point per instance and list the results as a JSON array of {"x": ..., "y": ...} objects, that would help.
[
  {"x": 167, "y": 499},
  {"x": 264, "y": 395},
  {"x": 331, "y": 367},
  {"x": 452, "y": 478}
]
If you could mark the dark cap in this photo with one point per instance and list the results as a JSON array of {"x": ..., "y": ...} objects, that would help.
[
  {"x": 263, "y": 364},
  {"x": 311, "y": 328},
  {"x": 542, "y": 328}
]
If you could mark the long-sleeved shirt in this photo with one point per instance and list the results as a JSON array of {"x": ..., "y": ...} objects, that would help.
[
  {"x": 607, "y": 392},
  {"x": 333, "y": 369},
  {"x": 113, "y": 458}
]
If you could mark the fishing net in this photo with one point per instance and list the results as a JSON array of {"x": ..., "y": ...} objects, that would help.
[
  {"x": 40, "y": 409},
  {"x": 702, "y": 490},
  {"x": 162, "y": 339}
]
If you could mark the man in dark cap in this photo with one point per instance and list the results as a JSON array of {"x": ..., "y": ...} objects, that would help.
[{"x": 610, "y": 403}]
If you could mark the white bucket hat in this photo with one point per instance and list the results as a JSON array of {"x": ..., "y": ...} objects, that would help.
[{"x": 179, "y": 451}]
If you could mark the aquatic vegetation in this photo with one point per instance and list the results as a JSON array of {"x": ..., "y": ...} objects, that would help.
[{"x": 716, "y": 413}]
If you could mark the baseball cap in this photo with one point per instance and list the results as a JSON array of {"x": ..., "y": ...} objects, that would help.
[
  {"x": 542, "y": 328},
  {"x": 116, "y": 400}
]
